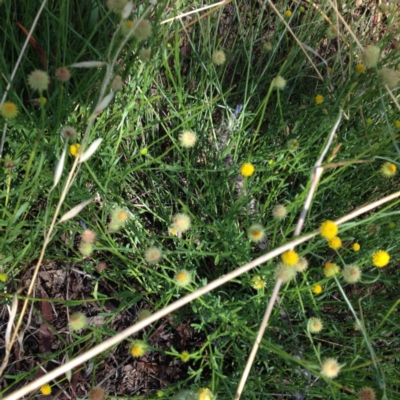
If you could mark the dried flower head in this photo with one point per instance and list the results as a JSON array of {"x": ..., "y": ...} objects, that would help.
[
  {"x": 335, "y": 243},
  {"x": 187, "y": 139},
  {"x": 96, "y": 393},
  {"x": 284, "y": 272},
  {"x": 279, "y": 82},
  {"x": 68, "y": 132},
  {"x": 45, "y": 389},
  {"x": 63, "y": 74},
  {"x": 218, "y": 57},
  {"x": 205, "y": 394},
  {"x": 256, "y": 233},
  {"x": 74, "y": 149},
  {"x": 116, "y": 6},
  {"x": 144, "y": 55},
  {"x": 38, "y": 80},
  {"x": 290, "y": 258},
  {"x": 389, "y": 77},
  {"x": 356, "y": 247},
  {"x": 153, "y": 255},
  {"x": 126, "y": 27},
  {"x": 86, "y": 249},
  {"x": 247, "y": 169},
  {"x": 138, "y": 348},
  {"x": 118, "y": 218},
  {"x": 279, "y": 212},
  {"x": 101, "y": 266},
  {"x": 181, "y": 222},
  {"x": 331, "y": 269},
  {"x": 317, "y": 289},
  {"x": 293, "y": 145},
  {"x": 388, "y": 170},
  {"x": 370, "y": 56},
  {"x": 380, "y": 258},
  {"x": 330, "y": 368},
  {"x": 143, "y": 29},
  {"x": 183, "y": 278},
  {"x": 88, "y": 236},
  {"x": 185, "y": 356},
  {"x": 267, "y": 46},
  {"x": 351, "y": 273},
  {"x": 257, "y": 282},
  {"x": 143, "y": 314},
  {"x": 331, "y": 32},
  {"x": 302, "y": 265},
  {"x": 367, "y": 393},
  {"x": 314, "y": 325},
  {"x": 77, "y": 321},
  {"x": 117, "y": 83},
  {"x": 319, "y": 99},
  {"x": 8, "y": 110}
]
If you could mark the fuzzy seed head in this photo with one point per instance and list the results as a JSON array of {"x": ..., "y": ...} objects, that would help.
[
  {"x": 8, "y": 110},
  {"x": 38, "y": 80},
  {"x": 183, "y": 278},
  {"x": 68, "y": 132},
  {"x": 143, "y": 315},
  {"x": 335, "y": 243},
  {"x": 331, "y": 32},
  {"x": 367, "y": 393},
  {"x": 370, "y": 56},
  {"x": 389, "y": 77},
  {"x": 143, "y": 30},
  {"x": 88, "y": 236},
  {"x": 319, "y": 99},
  {"x": 63, "y": 74},
  {"x": 117, "y": 83},
  {"x": 256, "y": 233},
  {"x": 101, "y": 266},
  {"x": 351, "y": 273},
  {"x": 330, "y": 368},
  {"x": 290, "y": 258},
  {"x": 144, "y": 55},
  {"x": 279, "y": 82},
  {"x": 218, "y": 57},
  {"x": 388, "y": 170},
  {"x": 279, "y": 212},
  {"x": 45, "y": 389},
  {"x": 317, "y": 289},
  {"x": 96, "y": 393},
  {"x": 77, "y": 321},
  {"x": 181, "y": 222},
  {"x": 284, "y": 272},
  {"x": 153, "y": 255},
  {"x": 138, "y": 348},
  {"x": 315, "y": 325},
  {"x": 267, "y": 46},
  {"x": 187, "y": 139},
  {"x": 380, "y": 258},
  {"x": 86, "y": 249},
  {"x": 116, "y": 6},
  {"x": 257, "y": 282},
  {"x": 356, "y": 247},
  {"x": 302, "y": 265},
  {"x": 331, "y": 269},
  {"x": 247, "y": 169},
  {"x": 293, "y": 145}
]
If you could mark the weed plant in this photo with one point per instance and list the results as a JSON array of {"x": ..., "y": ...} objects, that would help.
[{"x": 206, "y": 161}]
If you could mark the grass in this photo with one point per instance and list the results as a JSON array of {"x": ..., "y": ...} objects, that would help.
[{"x": 141, "y": 168}]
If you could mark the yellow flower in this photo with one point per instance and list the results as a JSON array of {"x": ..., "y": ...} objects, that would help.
[
  {"x": 247, "y": 169},
  {"x": 3, "y": 277},
  {"x": 369, "y": 121},
  {"x": 288, "y": 13},
  {"x": 397, "y": 124},
  {"x": 315, "y": 325},
  {"x": 138, "y": 348},
  {"x": 185, "y": 356},
  {"x": 256, "y": 233},
  {"x": 388, "y": 169},
  {"x": 331, "y": 269},
  {"x": 360, "y": 68},
  {"x": 183, "y": 278},
  {"x": 205, "y": 394},
  {"x": 328, "y": 229},
  {"x": 356, "y": 247},
  {"x": 257, "y": 282},
  {"x": 335, "y": 243},
  {"x": 74, "y": 149},
  {"x": 143, "y": 152},
  {"x": 42, "y": 100},
  {"x": 317, "y": 289},
  {"x": 380, "y": 258},
  {"x": 45, "y": 389},
  {"x": 290, "y": 258},
  {"x": 319, "y": 99},
  {"x": 218, "y": 57},
  {"x": 8, "y": 110}
]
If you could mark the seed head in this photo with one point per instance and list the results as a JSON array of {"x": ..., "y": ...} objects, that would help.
[
  {"x": 247, "y": 169},
  {"x": 370, "y": 56},
  {"x": 380, "y": 258},
  {"x": 96, "y": 393},
  {"x": 290, "y": 258},
  {"x": 187, "y": 139},
  {"x": 279, "y": 82},
  {"x": 219, "y": 57},
  {"x": 77, "y": 321},
  {"x": 388, "y": 170},
  {"x": 86, "y": 249},
  {"x": 88, "y": 236},
  {"x": 101, "y": 266},
  {"x": 117, "y": 83},
  {"x": 315, "y": 325},
  {"x": 144, "y": 55},
  {"x": 139, "y": 348},
  {"x": 335, "y": 243},
  {"x": 293, "y": 145},
  {"x": 367, "y": 393},
  {"x": 302, "y": 265},
  {"x": 143, "y": 315},
  {"x": 267, "y": 46},
  {"x": 38, "y": 80},
  {"x": 68, "y": 132},
  {"x": 351, "y": 273},
  {"x": 331, "y": 32},
  {"x": 330, "y": 368},
  {"x": 181, "y": 222},
  {"x": 63, "y": 74},
  {"x": 183, "y": 278},
  {"x": 388, "y": 77},
  {"x": 279, "y": 212},
  {"x": 331, "y": 269},
  {"x": 143, "y": 29},
  {"x": 116, "y": 6},
  {"x": 284, "y": 272},
  {"x": 8, "y": 110},
  {"x": 153, "y": 255},
  {"x": 256, "y": 233},
  {"x": 45, "y": 389}
]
